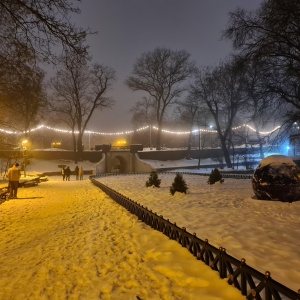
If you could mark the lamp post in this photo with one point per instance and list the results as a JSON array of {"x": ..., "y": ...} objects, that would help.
[
  {"x": 24, "y": 158},
  {"x": 150, "y": 137},
  {"x": 200, "y": 139},
  {"x": 230, "y": 141},
  {"x": 199, "y": 148}
]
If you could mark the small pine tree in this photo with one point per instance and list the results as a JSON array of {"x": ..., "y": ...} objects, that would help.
[
  {"x": 178, "y": 185},
  {"x": 215, "y": 176},
  {"x": 153, "y": 180}
]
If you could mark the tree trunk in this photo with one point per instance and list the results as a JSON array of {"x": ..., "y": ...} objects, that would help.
[
  {"x": 261, "y": 151},
  {"x": 158, "y": 139},
  {"x": 79, "y": 147},
  {"x": 158, "y": 136},
  {"x": 74, "y": 146},
  {"x": 226, "y": 153}
]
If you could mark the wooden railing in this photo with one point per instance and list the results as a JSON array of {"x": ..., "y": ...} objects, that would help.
[{"x": 252, "y": 283}]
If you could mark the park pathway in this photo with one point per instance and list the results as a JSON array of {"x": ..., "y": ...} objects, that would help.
[{"x": 68, "y": 240}]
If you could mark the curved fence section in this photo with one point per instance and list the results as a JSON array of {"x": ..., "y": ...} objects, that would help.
[
  {"x": 224, "y": 174},
  {"x": 252, "y": 283}
]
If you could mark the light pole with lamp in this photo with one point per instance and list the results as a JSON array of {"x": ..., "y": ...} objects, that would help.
[
  {"x": 150, "y": 137},
  {"x": 199, "y": 158},
  {"x": 230, "y": 141},
  {"x": 24, "y": 142}
]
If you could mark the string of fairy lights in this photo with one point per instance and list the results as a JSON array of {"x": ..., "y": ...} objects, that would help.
[{"x": 199, "y": 130}]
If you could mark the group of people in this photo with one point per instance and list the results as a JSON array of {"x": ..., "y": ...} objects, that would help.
[
  {"x": 66, "y": 173},
  {"x": 14, "y": 175}
]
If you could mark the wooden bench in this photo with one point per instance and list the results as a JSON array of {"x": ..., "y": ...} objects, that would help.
[
  {"x": 44, "y": 179},
  {"x": 4, "y": 193},
  {"x": 29, "y": 183}
]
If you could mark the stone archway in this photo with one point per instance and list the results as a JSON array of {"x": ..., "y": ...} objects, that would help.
[
  {"x": 122, "y": 162},
  {"x": 118, "y": 164}
]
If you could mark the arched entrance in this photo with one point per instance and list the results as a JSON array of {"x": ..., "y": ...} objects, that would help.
[
  {"x": 122, "y": 162},
  {"x": 119, "y": 164}
]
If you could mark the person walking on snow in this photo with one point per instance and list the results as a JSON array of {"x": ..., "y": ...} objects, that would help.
[
  {"x": 77, "y": 172},
  {"x": 67, "y": 173},
  {"x": 63, "y": 173},
  {"x": 13, "y": 175},
  {"x": 80, "y": 173}
]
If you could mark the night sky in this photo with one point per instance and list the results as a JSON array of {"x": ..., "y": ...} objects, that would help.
[{"x": 128, "y": 28}]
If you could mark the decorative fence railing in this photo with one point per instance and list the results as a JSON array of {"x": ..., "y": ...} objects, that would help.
[
  {"x": 224, "y": 174},
  {"x": 252, "y": 283}
]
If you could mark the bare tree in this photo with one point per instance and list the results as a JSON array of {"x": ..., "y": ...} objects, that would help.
[
  {"x": 80, "y": 90},
  {"x": 143, "y": 112},
  {"x": 161, "y": 73},
  {"x": 220, "y": 89},
  {"x": 32, "y": 32},
  {"x": 35, "y": 27},
  {"x": 189, "y": 111},
  {"x": 263, "y": 107},
  {"x": 271, "y": 33},
  {"x": 23, "y": 97}
]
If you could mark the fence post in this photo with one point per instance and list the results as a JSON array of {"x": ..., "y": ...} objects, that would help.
[
  {"x": 222, "y": 263},
  {"x": 243, "y": 277}
]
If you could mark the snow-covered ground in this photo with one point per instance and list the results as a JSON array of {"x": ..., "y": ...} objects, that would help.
[
  {"x": 265, "y": 233},
  {"x": 69, "y": 240}
]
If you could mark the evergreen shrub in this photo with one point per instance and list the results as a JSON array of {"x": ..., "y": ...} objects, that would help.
[
  {"x": 153, "y": 180},
  {"x": 215, "y": 176},
  {"x": 178, "y": 185}
]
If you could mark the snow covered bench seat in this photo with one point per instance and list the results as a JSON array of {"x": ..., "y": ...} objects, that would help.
[
  {"x": 29, "y": 182},
  {"x": 4, "y": 193}
]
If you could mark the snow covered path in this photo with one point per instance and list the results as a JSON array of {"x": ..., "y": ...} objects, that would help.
[{"x": 68, "y": 240}]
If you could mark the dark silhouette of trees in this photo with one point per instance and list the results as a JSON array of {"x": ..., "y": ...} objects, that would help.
[
  {"x": 33, "y": 28},
  {"x": 32, "y": 32},
  {"x": 24, "y": 97},
  {"x": 143, "y": 112},
  {"x": 78, "y": 91},
  {"x": 189, "y": 112},
  {"x": 221, "y": 90},
  {"x": 262, "y": 107},
  {"x": 161, "y": 73},
  {"x": 271, "y": 34}
]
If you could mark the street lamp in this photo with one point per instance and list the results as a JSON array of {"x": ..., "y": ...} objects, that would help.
[
  {"x": 24, "y": 142},
  {"x": 230, "y": 141},
  {"x": 150, "y": 137}
]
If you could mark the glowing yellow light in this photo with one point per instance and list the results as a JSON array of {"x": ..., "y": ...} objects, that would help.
[{"x": 132, "y": 131}]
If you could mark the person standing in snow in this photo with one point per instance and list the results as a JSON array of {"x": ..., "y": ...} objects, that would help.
[
  {"x": 77, "y": 172},
  {"x": 63, "y": 173},
  {"x": 67, "y": 173},
  {"x": 13, "y": 175},
  {"x": 80, "y": 173}
]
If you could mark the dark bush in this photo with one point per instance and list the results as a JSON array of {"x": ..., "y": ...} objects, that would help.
[
  {"x": 215, "y": 176},
  {"x": 153, "y": 180},
  {"x": 178, "y": 185}
]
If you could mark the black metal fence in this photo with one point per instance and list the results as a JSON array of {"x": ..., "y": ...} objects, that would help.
[
  {"x": 252, "y": 283},
  {"x": 224, "y": 174}
]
